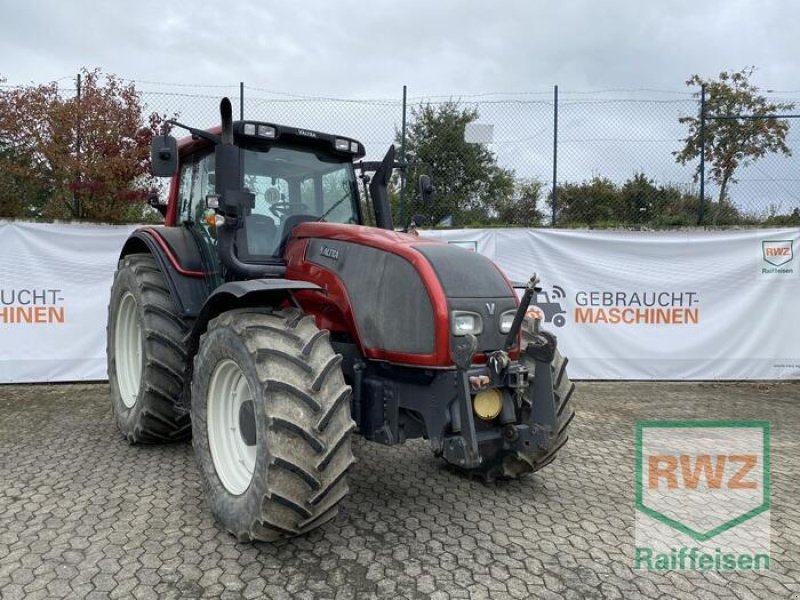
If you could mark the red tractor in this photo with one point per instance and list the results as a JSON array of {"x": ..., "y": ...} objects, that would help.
[{"x": 264, "y": 320}]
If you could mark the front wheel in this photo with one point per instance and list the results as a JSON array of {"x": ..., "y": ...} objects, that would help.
[{"x": 271, "y": 422}]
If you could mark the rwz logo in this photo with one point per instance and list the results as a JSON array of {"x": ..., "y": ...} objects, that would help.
[
  {"x": 664, "y": 468},
  {"x": 777, "y": 252},
  {"x": 702, "y": 478}
]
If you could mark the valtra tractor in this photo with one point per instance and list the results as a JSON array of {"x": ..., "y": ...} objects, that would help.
[{"x": 267, "y": 323}]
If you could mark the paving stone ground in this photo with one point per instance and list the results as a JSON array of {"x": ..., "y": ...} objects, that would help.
[{"x": 85, "y": 515}]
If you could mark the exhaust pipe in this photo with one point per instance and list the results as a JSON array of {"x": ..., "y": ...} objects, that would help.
[
  {"x": 378, "y": 190},
  {"x": 226, "y": 117}
]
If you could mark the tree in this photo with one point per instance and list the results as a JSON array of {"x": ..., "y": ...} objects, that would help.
[
  {"x": 470, "y": 186},
  {"x": 91, "y": 153},
  {"x": 23, "y": 188},
  {"x": 733, "y": 143},
  {"x": 639, "y": 201},
  {"x": 595, "y": 202},
  {"x": 522, "y": 209}
]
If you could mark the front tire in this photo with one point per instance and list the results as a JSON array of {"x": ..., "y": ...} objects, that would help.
[
  {"x": 271, "y": 422},
  {"x": 146, "y": 357}
]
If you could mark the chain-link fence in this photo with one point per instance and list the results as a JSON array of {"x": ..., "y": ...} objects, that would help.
[
  {"x": 558, "y": 157},
  {"x": 608, "y": 156}
]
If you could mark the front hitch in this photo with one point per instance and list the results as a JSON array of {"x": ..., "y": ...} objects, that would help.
[
  {"x": 462, "y": 450},
  {"x": 499, "y": 361},
  {"x": 537, "y": 424},
  {"x": 530, "y": 289},
  {"x": 543, "y": 418}
]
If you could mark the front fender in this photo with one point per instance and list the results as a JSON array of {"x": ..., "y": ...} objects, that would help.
[{"x": 241, "y": 294}]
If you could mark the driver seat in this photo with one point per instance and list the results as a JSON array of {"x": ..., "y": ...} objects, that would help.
[
  {"x": 289, "y": 224},
  {"x": 258, "y": 237}
]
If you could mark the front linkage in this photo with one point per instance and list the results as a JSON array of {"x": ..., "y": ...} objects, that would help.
[
  {"x": 502, "y": 419},
  {"x": 520, "y": 435}
]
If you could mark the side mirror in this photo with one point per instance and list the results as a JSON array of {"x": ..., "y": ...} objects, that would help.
[
  {"x": 426, "y": 190},
  {"x": 155, "y": 202},
  {"x": 164, "y": 156}
]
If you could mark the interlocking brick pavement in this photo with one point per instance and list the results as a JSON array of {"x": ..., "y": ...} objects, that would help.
[{"x": 85, "y": 515}]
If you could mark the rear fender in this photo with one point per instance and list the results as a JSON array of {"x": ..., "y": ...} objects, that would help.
[{"x": 178, "y": 258}]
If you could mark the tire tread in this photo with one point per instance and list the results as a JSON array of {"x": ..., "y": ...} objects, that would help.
[
  {"x": 305, "y": 397},
  {"x": 159, "y": 414}
]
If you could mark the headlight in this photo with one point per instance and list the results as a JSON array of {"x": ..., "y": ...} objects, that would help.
[
  {"x": 506, "y": 320},
  {"x": 267, "y": 131},
  {"x": 466, "y": 322}
]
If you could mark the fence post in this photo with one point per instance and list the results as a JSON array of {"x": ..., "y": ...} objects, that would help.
[
  {"x": 403, "y": 171},
  {"x": 700, "y": 215},
  {"x": 76, "y": 199},
  {"x": 555, "y": 153},
  {"x": 241, "y": 100}
]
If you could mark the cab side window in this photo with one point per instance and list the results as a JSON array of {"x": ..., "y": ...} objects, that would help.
[
  {"x": 196, "y": 182},
  {"x": 185, "y": 190}
]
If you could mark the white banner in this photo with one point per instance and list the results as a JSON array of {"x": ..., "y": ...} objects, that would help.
[
  {"x": 625, "y": 305},
  {"x": 660, "y": 305},
  {"x": 55, "y": 281}
]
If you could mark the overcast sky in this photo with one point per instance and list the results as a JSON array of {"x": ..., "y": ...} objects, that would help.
[
  {"x": 451, "y": 48},
  {"x": 370, "y": 49}
]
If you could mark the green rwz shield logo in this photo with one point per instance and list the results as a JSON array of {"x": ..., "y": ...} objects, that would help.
[
  {"x": 777, "y": 252},
  {"x": 702, "y": 494}
]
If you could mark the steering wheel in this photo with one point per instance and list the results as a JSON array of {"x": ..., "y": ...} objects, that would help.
[{"x": 283, "y": 208}]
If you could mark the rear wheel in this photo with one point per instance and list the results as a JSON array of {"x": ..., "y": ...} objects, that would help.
[
  {"x": 146, "y": 357},
  {"x": 271, "y": 422}
]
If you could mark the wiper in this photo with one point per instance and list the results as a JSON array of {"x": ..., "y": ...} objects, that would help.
[{"x": 336, "y": 204}]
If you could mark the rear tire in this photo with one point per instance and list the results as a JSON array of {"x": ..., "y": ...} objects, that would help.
[
  {"x": 271, "y": 422},
  {"x": 146, "y": 357}
]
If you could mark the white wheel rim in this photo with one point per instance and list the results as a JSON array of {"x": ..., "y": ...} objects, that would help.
[
  {"x": 128, "y": 350},
  {"x": 234, "y": 460}
]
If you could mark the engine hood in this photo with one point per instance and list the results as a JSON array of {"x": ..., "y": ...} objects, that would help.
[
  {"x": 462, "y": 273},
  {"x": 398, "y": 290}
]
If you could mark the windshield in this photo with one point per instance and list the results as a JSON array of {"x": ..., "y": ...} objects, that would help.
[{"x": 292, "y": 186}]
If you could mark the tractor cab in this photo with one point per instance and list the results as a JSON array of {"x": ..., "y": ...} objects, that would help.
[
  {"x": 285, "y": 186},
  {"x": 243, "y": 187}
]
